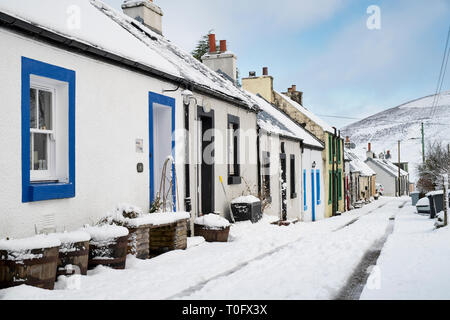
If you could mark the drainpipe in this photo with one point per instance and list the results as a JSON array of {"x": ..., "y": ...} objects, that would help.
[
  {"x": 333, "y": 172},
  {"x": 258, "y": 139}
]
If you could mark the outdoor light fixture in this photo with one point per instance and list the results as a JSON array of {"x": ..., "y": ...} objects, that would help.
[
  {"x": 188, "y": 96},
  {"x": 314, "y": 165}
]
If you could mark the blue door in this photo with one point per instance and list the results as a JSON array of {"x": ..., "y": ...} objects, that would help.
[
  {"x": 161, "y": 143},
  {"x": 313, "y": 196}
]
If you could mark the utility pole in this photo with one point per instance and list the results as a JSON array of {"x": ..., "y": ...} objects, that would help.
[
  {"x": 399, "y": 174},
  {"x": 445, "y": 176},
  {"x": 423, "y": 144}
]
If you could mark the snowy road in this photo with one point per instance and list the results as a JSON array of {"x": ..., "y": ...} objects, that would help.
[{"x": 262, "y": 261}]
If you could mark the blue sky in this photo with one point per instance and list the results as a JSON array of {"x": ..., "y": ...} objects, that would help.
[{"x": 325, "y": 47}]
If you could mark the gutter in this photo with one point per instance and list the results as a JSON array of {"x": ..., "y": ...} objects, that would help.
[{"x": 38, "y": 33}]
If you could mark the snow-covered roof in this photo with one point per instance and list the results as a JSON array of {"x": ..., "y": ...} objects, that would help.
[
  {"x": 388, "y": 166},
  {"x": 273, "y": 120},
  {"x": 357, "y": 165},
  {"x": 100, "y": 26},
  {"x": 321, "y": 123}
]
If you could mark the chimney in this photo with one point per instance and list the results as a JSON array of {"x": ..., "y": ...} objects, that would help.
[
  {"x": 262, "y": 85},
  {"x": 146, "y": 12},
  {"x": 223, "y": 46},
  {"x": 347, "y": 139},
  {"x": 223, "y": 62},
  {"x": 295, "y": 95},
  {"x": 369, "y": 147},
  {"x": 369, "y": 152},
  {"x": 212, "y": 43}
]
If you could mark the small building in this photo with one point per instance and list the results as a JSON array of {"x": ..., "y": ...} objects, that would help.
[
  {"x": 290, "y": 167},
  {"x": 362, "y": 182},
  {"x": 387, "y": 174},
  {"x": 291, "y": 103}
]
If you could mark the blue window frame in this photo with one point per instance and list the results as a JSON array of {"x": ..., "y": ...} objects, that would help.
[
  {"x": 305, "y": 203},
  {"x": 318, "y": 186},
  {"x": 31, "y": 191},
  {"x": 155, "y": 98}
]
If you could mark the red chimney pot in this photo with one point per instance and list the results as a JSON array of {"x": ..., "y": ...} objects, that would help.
[
  {"x": 370, "y": 147},
  {"x": 212, "y": 43},
  {"x": 223, "y": 45},
  {"x": 265, "y": 71}
]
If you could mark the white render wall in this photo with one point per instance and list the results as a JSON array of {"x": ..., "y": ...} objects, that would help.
[
  {"x": 385, "y": 179},
  {"x": 112, "y": 111},
  {"x": 309, "y": 156}
]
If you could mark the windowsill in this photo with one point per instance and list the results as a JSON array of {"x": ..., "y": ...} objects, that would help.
[
  {"x": 41, "y": 191},
  {"x": 233, "y": 180}
]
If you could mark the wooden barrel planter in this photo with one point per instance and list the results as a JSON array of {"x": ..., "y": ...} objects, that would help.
[
  {"x": 212, "y": 227},
  {"x": 33, "y": 267},
  {"x": 212, "y": 235},
  {"x": 168, "y": 237},
  {"x": 73, "y": 253},
  {"x": 108, "y": 247}
]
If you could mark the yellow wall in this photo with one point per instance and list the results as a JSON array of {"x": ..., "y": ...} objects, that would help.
[{"x": 259, "y": 85}]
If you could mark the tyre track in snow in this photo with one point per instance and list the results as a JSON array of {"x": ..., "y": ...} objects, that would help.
[
  {"x": 199, "y": 286},
  {"x": 357, "y": 281}
]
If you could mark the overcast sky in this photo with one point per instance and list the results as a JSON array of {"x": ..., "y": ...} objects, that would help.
[{"x": 325, "y": 47}]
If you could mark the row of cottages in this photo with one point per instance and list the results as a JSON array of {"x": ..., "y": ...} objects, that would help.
[
  {"x": 360, "y": 181},
  {"x": 98, "y": 105},
  {"x": 395, "y": 181},
  {"x": 332, "y": 158}
]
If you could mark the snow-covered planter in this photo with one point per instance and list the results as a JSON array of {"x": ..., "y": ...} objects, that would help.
[
  {"x": 138, "y": 226},
  {"x": 108, "y": 246},
  {"x": 73, "y": 253},
  {"x": 31, "y": 261},
  {"x": 212, "y": 227},
  {"x": 168, "y": 232},
  {"x": 247, "y": 208}
]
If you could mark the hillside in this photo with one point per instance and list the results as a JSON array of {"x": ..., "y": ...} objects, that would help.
[{"x": 403, "y": 123}]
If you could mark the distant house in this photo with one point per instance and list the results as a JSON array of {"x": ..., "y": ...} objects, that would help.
[
  {"x": 362, "y": 182},
  {"x": 290, "y": 169},
  {"x": 388, "y": 175},
  {"x": 291, "y": 103}
]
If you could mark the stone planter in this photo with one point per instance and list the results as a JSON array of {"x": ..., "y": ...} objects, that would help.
[
  {"x": 139, "y": 241},
  {"x": 108, "y": 247},
  {"x": 168, "y": 237},
  {"x": 33, "y": 267},
  {"x": 212, "y": 235}
]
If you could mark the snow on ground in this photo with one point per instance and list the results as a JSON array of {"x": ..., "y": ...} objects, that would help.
[
  {"x": 414, "y": 262},
  {"x": 305, "y": 260}
]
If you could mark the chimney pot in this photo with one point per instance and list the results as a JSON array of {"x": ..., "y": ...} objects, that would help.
[
  {"x": 212, "y": 43},
  {"x": 294, "y": 87},
  {"x": 289, "y": 90},
  {"x": 370, "y": 147},
  {"x": 347, "y": 139},
  {"x": 223, "y": 45},
  {"x": 265, "y": 71},
  {"x": 252, "y": 74}
]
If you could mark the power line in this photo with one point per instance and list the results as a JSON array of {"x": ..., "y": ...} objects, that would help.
[{"x": 441, "y": 76}]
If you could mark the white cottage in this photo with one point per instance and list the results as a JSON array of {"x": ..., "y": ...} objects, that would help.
[
  {"x": 94, "y": 102},
  {"x": 290, "y": 174}
]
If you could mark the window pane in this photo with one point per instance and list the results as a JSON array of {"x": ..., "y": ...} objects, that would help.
[
  {"x": 33, "y": 108},
  {"x": 40, "y": 154},
  {"x": 45, "y": 110}
]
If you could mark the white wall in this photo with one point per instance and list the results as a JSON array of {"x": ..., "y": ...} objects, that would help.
[
  {"x": 309, "y": 156},
  {"x": 112, "y": 111},
  {"x": 385, "y": 179}
]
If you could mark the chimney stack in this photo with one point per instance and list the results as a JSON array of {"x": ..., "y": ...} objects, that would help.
[
  {"x": 145, "y": 12},
  {"x": 222, "y": 61},
  {"x": 265, "y": 71},
  {"x": 212, "y": 43},
  {"x": 223, "y": 46},
  {"x": 295, "y": 95},
  {"x": 347, "y": 139}
]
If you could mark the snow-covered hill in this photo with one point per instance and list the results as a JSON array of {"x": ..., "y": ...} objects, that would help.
[{"x": 403, "y": 123}]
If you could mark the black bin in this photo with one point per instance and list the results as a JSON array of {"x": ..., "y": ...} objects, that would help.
[
  {"x": 436, "y": 204},
  {"x": 247, "y": 211}
]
